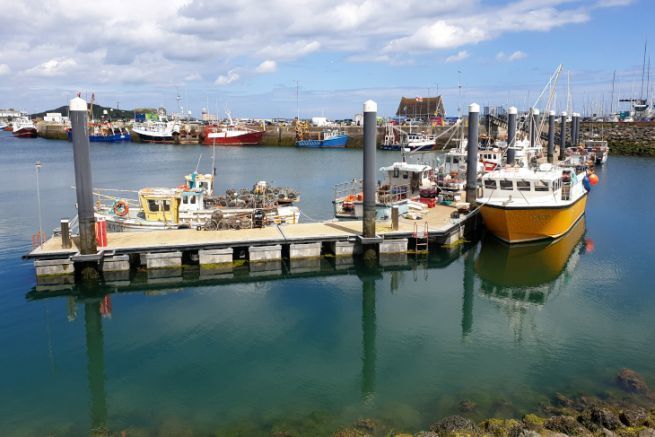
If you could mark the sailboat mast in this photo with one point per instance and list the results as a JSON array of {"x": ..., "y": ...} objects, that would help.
[
  {"x": 648, "y": 80},
  {"x": 643, "y": 72},
  {"x": 612, "y": 98}
]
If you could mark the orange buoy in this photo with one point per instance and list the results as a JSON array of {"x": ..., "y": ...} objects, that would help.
[
  {"x": 593, "y": 179},
  {"x": 589, "y": 245}
]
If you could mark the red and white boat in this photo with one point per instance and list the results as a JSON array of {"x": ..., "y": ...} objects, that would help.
[
  {"x": 231, "y": 134},
  {"x": 23, "y": 128}
]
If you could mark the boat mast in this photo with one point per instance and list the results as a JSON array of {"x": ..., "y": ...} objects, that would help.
[
  {"x": 612, "y": 98},
  {"x": 647, "y": 81},
  {"x": 643, "y": 72},
  {"x": 297, "y": 100}
]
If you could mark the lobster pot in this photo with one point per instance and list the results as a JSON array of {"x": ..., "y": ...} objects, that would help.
[{"x": 101, "y": 232}]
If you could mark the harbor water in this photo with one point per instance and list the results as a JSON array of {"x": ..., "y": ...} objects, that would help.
[{"x": 499, "y": 329}]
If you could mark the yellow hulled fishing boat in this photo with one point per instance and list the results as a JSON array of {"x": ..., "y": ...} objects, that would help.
[{"x": 519, "y": 204}]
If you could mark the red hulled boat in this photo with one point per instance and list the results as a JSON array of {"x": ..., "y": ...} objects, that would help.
[
  {"x": 231, "y": 134},
  {"x": 24, "y": 128}
]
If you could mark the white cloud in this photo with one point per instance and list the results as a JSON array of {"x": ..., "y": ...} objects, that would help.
[
  {"x": 53, "y": 67},
  {"x": 502, "y": 56},
  {"x": 231, "y": 76},
  {"x": 166, "y": 43},
  {"x": 459, "y": 56},
  {"x": 193, "y": 77},
  {"x": 613, "y": 3},
  {"x": 268, "y": 66},
  {"x": 4, "y": 69}
]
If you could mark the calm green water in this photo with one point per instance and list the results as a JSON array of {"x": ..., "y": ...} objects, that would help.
[{"x": 405, "y": 343}]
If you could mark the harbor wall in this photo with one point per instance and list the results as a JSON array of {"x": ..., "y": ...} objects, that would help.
[
  {"x": 637, "y": 138},
  {"x": 286, "y": 135}
]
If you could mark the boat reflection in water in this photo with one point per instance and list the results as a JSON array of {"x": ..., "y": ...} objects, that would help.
[
  {"x": 529, "y": 272},
  {"x": 520, "y": 278}
]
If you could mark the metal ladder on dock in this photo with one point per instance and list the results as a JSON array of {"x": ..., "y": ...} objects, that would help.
[{"x": 421, "y": 238}]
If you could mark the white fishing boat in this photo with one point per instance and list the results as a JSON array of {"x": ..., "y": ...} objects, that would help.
[
  {"x": 161, "y": 130},
  {"x": 397, "y": 139},
  {"x": 402, "y": 187},
  {"x": 23, "y": 127},
  {"x": 451, "y": 174}
]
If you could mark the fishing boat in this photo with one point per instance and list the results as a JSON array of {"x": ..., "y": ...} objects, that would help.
[
  {"x": 23, "y": 128},
  {"x": 599, "y": 148},
  {"x": 403, "y": 186},
  {"x": 331, "y": 138},
  {"x": 193, "y": 205},
  {"x": 232, "y": 134},
  {"x": 105, "y": 133},
  {"x": 157, "y": 131},
  {"x": 520, "y": 204},
  {"x": 451, "y": 173},
  {"x": 397, "y": 139}
]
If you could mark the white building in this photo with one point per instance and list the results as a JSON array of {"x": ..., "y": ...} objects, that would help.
[
  {"x": 11, "y": 113},
  {"x": 53, "y": 117},
  {"x": 319, "y": 121}
]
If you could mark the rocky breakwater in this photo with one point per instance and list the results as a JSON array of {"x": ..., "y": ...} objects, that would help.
[
  {"x": 628, "y": 413},
  {"x": 636, "y": 138}
]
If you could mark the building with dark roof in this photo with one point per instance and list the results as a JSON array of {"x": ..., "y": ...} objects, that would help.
[{"x": 421, "y": 108}]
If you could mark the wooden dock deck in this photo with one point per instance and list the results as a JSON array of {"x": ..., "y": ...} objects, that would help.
[{"x": 440, "y": 227}]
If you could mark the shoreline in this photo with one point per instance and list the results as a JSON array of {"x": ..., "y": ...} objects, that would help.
[{"x": 634, "y": 139}]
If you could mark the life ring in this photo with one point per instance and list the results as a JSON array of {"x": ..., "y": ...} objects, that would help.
[{"x": 121, "y": 208}]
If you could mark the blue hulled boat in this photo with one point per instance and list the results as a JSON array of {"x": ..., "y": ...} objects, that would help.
[
  {"x": 105, "y": 134},
  {"x": 327, "y": 139}
]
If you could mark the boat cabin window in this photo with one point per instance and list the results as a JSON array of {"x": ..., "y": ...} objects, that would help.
[
  {"x": 396, "y": 172},
  {"x": 523, "y": 185},
  {"x": 204, "y": 185},
  {"x": 153, "y": 205},
  {"x": 541, "y": 185},
  {"x": 490, "y": 183},
  {"x": 405, "y": 175},
  {"x": 167, "y": 205},
  {"x": 192, "y": 200},
  {"x": 506, "y": 184}
]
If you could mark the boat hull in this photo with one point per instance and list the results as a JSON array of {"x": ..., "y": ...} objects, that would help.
[
  {"x": 412, "y": 148},
  {"x": 145, "y": 138},
  {"x": 335, "y": 142},
  {"x": 115, "y": 138},
  {"x": 247, "y": 139},
  {"x": 25, "y": 133},
  {"x": 525, "y": 224}
]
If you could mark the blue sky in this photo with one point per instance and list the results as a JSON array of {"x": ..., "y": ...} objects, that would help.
[{"x": 247, "y": 54}]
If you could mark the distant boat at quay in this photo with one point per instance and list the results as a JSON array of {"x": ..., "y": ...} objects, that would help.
[
  {"x": 105, "y": 133},
  {"x": 333, "y": 138},
  {"x": 232, "y": 134},
  {"x": 24, "y": 128},
  {"x": 397, "y": 139},
  {"x": 162, "y": 131}
]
